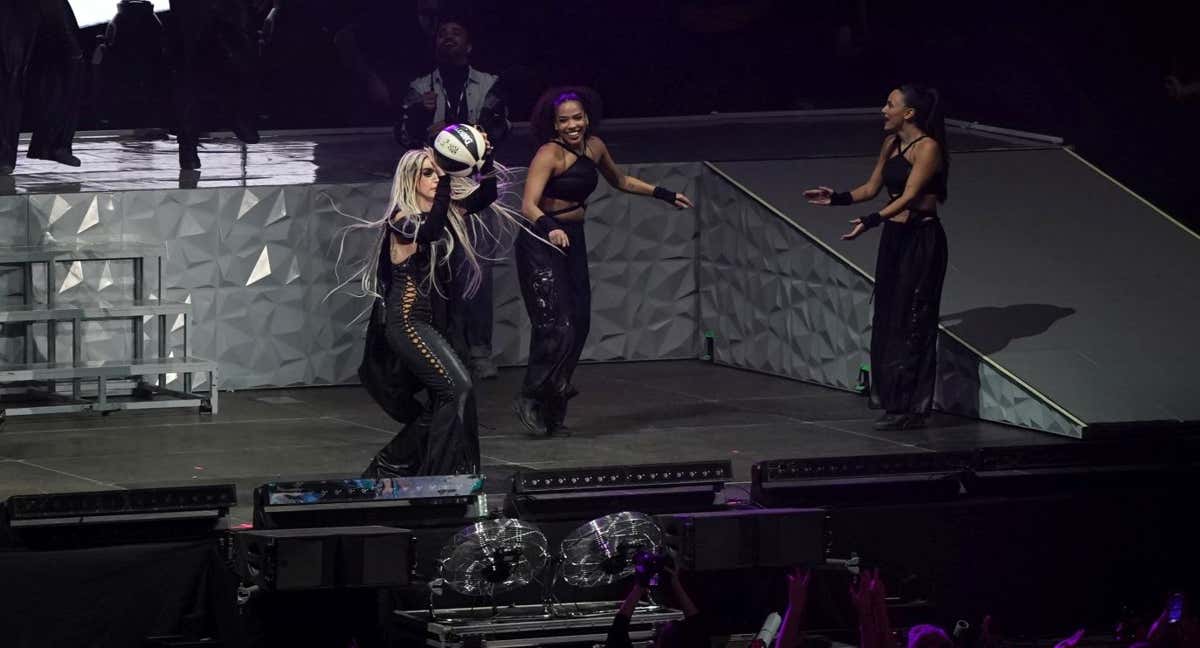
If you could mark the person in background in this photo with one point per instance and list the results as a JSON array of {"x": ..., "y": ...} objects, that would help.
[
  {"x": 39, "y": 53},
  {"x": 456, "y": 93}
]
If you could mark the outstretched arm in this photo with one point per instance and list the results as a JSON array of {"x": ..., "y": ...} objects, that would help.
[
  {"x": 629, "y": 184},
  {"x": 825, "y": 196}
]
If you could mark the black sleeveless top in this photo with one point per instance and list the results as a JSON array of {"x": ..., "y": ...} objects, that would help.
[
  {"x": 576, "y": 183},
  {"x": 897, "y": 169}
]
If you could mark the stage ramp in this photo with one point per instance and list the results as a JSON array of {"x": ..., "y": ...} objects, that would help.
[{"x": 1070, "y": 303}]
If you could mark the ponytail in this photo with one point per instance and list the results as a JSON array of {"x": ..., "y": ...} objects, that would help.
[{"x": 927, "y": 102}]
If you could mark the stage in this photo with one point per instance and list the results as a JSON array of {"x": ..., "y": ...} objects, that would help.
[
  {"x": 627, "y": 413},
  {"x": 753, "y": 271}
]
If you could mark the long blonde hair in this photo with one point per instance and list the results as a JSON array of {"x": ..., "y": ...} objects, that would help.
[{"x": 479, "y": 238}]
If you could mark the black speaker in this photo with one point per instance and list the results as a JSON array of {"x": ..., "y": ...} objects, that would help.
[
  {"x": 746, "y": 538},
  {"x": 1019, "y": 471},
  {"x": 327, "y": 557},
  {"x": 97, "y": 518}
]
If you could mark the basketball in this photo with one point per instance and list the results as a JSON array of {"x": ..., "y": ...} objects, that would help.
[{"x": 459, "y": 149}]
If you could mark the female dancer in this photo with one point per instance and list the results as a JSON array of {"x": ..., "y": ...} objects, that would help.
[
  {"x": 554, "y": 282},
  {"x": 428, "y": 217},
  {"x": 914, "y": 166}
]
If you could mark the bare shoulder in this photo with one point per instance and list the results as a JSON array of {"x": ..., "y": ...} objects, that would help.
[
  {"x": 928, "y": 149},
  {"x": 597, "y": 145},
  {"x": 547, "y": 153}
]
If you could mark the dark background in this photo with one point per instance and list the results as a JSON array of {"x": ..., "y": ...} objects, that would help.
[{"x": 1092, "y": 72}]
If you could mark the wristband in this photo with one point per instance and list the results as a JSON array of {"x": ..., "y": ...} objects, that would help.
[
  {"x": 665, "y": 195},
  {"x": 871, "y": 220},
  {"x": 841, "y": 198}
]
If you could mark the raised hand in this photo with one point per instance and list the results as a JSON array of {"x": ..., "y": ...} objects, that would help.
[
  {"x": 858, "y": 228},
  {"x": 798, "y": 588},
  {"x": 869, "y": 600},
  {"x": 819, "y": 196}
]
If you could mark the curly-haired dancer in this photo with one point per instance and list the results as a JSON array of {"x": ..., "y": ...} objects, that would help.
[{"x": 555, "y": 283}]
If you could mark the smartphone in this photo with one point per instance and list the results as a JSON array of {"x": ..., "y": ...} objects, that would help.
[{"x": 1175, "y": 608}]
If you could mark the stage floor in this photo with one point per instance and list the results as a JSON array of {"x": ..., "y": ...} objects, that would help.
[{"x": 626, "y": 413}]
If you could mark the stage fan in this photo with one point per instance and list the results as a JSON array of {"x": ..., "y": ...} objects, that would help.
[
  {"x": 603, "y": 550},
  {"x": 493, "y": 556}
]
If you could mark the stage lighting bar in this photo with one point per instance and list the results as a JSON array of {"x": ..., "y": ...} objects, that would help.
[
  {"x": 1090, "y": 454},
  {"x": 862, "y": 466},
  {"x": 714, "y": 473},
  {"x": 122, "y": 502}
]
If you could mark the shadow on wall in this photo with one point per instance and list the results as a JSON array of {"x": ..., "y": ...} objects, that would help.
[{"x": 993, "y": 328}]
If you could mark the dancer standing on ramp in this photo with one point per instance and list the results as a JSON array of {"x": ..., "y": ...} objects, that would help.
[
  {"x": 914, "y": 166},
  {"x": 554, "y": 282}
]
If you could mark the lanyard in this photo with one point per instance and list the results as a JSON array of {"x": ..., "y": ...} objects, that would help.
[{"x": 452, "y": 112}]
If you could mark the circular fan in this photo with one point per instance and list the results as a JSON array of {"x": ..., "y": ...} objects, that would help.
[
  {"x": 493, "y": 556},
  {"x": 601, "y": 551}
]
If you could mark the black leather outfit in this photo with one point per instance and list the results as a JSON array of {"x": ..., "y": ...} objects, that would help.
[{"x": 407, "y": 352}]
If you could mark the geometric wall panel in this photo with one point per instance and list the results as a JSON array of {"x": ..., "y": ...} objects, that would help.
[
  {"x": 258, "y": 264},
  {"x": 777, "y": 301}
]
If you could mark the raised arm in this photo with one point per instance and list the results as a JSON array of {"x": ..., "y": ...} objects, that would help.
[
  {"x": 487, "y": 192},
  {"x": 791, "y": 631},
  {"x": 867, "y": 191},
  {"x": 424, "y": 228},
  {"x": 618, "y": 633},
  {"x": 629, "y": 184}
]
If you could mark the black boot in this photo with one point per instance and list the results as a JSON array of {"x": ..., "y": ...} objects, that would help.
[
  {"x": 529, "y": 413},
  {"x": 189, "y": 157},
  {"x": 62, "y": 156}
]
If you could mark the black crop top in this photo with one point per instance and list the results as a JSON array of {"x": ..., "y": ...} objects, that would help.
[
  {"x": 577, "y": 182},
  {"x": 897, "y": 169}
]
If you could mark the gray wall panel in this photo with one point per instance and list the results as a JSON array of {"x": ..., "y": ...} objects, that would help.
[
  {"x": 774, "y": 301},
  {"x": 258, "y": 263},
  {"x": 781, "y": 304}
]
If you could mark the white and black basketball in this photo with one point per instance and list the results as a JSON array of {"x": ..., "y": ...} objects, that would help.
[{"x": 459, "y": 149}]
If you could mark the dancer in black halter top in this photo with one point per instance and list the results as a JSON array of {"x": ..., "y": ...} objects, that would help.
[
  {"x": 913, "y": 166},
  {"x": 554, "y": 281}
]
